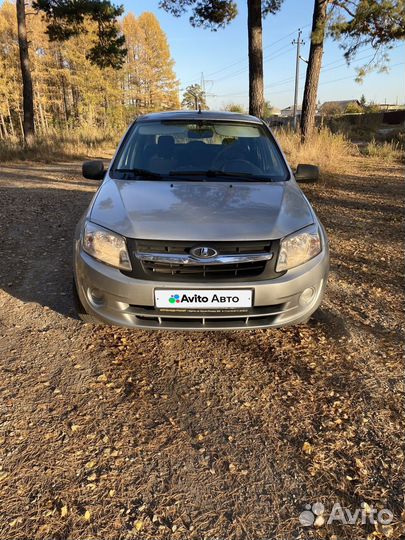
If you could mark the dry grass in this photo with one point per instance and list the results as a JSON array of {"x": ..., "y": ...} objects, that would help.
[
  {"x": 326, "y": 149},
  {"x": 78, "y": 143},
  {"x": 389, "y": 151}
]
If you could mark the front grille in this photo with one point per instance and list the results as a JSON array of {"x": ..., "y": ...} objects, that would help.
[
  {"x": 224, "y": 248},
  {"x": 155, "y": 270},
  {"x": 222, "y": 271},
  {"x": 255, "y": 317}
]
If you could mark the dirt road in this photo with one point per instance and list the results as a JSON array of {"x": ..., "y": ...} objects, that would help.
[{"x": 116, "y": 434}]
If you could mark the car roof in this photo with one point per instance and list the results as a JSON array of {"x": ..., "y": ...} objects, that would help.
[{"x": 197, "y": 115}]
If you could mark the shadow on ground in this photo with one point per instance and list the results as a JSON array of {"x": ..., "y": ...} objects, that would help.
[{"x": 37, "y": 244}]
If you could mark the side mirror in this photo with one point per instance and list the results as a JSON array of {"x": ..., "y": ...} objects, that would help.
[
  {"x": 93, "y": 170},
  {"x": 307, "y": 173}
]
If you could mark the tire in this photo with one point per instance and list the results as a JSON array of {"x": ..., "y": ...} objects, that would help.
[{"x": 79, "y": 308}]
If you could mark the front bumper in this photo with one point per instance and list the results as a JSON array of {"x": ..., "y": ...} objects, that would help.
[{"x": 128, "y": 302}]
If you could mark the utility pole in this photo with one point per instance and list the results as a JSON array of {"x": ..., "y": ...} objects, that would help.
[
  {"x": 297, "y": 42},
  {"x": 202, "y": 83}
]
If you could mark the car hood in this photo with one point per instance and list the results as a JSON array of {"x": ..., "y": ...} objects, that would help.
[{"x": 209, "y": 211}]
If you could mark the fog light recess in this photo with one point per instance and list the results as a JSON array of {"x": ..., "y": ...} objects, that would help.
[
  {"x": 307, "y": 296},
  {"x": 96, "y": 297}
]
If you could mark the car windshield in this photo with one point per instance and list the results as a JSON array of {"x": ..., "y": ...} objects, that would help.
[{"x": 158, "y": 150}]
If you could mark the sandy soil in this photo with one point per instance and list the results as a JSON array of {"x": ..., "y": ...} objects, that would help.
[{"x": 117, "y": 434}]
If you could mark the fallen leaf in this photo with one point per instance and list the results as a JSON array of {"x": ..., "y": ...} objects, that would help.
[
  {"x": 64, "y": 511},
  {"x": 138, "y": 525},
  {"x": 111, "y": 493},
  {"x": 386, "y": 530},
  {"x": 87, "y": 515},
  {"x": 319, "y": 521},
  {"x": 74, "y": 427},
  {"x": 307, "y": 448},
  {"x": 102, "y": 378}
]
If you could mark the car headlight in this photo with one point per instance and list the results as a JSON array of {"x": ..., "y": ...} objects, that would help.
[
  {"x": 106, "y": 246},
  {"x": 299, "y": 248}
]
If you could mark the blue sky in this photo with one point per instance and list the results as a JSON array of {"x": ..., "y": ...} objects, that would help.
[{"x": 222, "y": 57}]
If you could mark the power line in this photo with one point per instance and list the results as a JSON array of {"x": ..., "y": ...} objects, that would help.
[
  {"x": 244, "y": 59},
  {"x": 228, "y": 66},
  {"x": 324, "y": 69},
  {"x": 242, "y": 70},
  {"x": 337, "y": 80}
]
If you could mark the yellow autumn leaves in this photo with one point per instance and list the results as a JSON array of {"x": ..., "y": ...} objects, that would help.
[{"x": 70, "y": 90}]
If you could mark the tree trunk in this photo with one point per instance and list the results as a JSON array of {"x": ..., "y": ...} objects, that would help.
[
  {"x": 28, "y": 99},
  {"x": 63, "y": 81},
  {"x": 313, "y": 68},
  {"x": 256, "y": 99},
  {"x": 10, "y": 119},
  {"x": 21, "y": 124},
  {"x": 41, "y": 112},
  {"x": 3, "y": 128}
]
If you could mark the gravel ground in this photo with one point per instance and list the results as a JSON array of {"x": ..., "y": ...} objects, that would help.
[{"x": 118, "y": 434}]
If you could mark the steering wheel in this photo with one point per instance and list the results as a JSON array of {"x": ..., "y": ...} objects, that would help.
[
  {"x": 220, "y": 159},
  {"x": 241, "y": 165}
]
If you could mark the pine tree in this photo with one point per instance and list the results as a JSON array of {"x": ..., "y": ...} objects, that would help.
[
  {"x": 28, "y": 96},
  {"x": 356, "y": 23},
  {"x": 379, "y": 23},
  {"x": 194, "y": 97},
  {"x": 68, "y": 18},
  {"x": 65, "y": 19},
  {"x": 214, "y": 14},
  {"x": 319, "y": 21}
]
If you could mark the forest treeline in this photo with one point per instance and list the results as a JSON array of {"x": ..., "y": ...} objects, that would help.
[{"x": 70, "y": 91}]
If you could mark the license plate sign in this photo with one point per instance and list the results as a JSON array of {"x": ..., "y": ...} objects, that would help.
[{"x": 203, "y": 298}]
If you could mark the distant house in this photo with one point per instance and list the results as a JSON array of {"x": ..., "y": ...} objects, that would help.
[
  {"x": 338, "y": 107},
  {"x": 289, "y": 111},
  {"x": 275, "y": 111}
]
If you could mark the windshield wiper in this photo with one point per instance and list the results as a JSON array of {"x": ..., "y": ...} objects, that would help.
[
  {"x": 140, "y": 172},
  {"x": 214, "y": 174}
]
